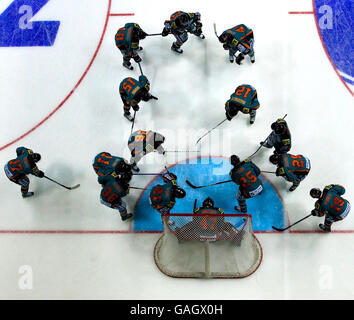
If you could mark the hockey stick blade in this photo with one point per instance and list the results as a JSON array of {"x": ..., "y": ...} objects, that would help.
[
  {"x": 191, "y": 185},
  {"x": 278, "y": 229},
  {"x": 74, "y": 187}
]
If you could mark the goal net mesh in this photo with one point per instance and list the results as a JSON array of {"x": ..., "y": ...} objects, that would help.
[{"x": 207, "y": 246}]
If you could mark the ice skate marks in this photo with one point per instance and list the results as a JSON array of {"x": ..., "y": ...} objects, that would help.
[
  {"x": 266, "y": 209},
  {"x": 335, "y": 25}
]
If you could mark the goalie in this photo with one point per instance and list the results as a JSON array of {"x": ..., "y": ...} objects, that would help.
[{"x": 209, "y": 224}]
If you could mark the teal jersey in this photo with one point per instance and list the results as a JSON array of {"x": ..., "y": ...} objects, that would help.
[
  {"x": 295, "y": 167},
  {"x": 246, "y": 176},
  {"x": 240, "y": 36},
  {"x": 112, "y": 190},
  {"x": 23, "y": 164},
  {"x": 104, "y": 163},
  {"x": 163, "y": 195},
  {"x": 141, "y": 141},
  {"x": 128, "y": 89},
  {"x": 124, "y": 37},
  {"x": 332, "y": 203},
  {"x": 246, "y": 96},
  {"x": 177, "y": 28}
]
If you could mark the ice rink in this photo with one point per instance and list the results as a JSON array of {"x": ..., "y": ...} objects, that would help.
[{"x": 62, "y": 100}]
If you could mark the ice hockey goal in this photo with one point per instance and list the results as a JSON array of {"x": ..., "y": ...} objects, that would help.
[{"x": 207, "y": 246}]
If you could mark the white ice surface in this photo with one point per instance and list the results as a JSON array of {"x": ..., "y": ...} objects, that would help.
[{"x": 292, "y": 75}]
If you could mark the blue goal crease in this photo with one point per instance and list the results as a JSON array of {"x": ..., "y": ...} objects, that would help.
[{"x": 266, "y": 209}]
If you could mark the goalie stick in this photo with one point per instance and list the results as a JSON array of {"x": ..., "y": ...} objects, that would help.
[
  {"x": 279, "y": 229},
  {"x": 69, "y": 188}
]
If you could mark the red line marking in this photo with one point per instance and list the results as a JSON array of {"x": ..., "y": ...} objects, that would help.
[
  {"x": 73, "y": 90},
  {"x": 301, "y": 12},
  {"x": 121, "y": 14}
]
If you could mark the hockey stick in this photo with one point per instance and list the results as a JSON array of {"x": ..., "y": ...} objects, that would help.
[
  {"x": 279, "y": 229},
  {"x": 218, "y": 38},
  {"x": 147, "y": 174},
  {"x": 208, "y": 185},
  {"x": 131, "y": 130},
  {"x": 136, "y": 188},
  {"x": 268, "y": 172},
  {"x": 195, "y": 205},
  {"x": 259, "y": 148},
  {"x": 214, "y": 24},
  {"x": 154, "y": 34},
  {"x": 179, "y": 151},
  {"x": 141, "y": 70},
  {"x": 69, "y": 188},
  {"x": 210, "y": 130}
]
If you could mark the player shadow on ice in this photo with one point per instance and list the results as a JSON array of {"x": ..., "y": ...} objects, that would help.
[{"x": 60, "y": 172}]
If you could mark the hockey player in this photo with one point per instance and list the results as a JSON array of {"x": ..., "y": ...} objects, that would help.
[
  {"x": 208, "y": 224},
  {"x": 132, "y": 91},
  {"x": 292, "y": 168},
  {"x": 244, "y": 99},
  {"x": 179, "y": 25},
  {"x": 18, "y": 169},
  {"x": 163, "y": 197},
  {"x": 280, "y": 138},
  {"x": 114, "y": 188},
  {"x": 330, "y": 204},
  {"x": 238, "y": 39},
  {"x": 127, "y": 41},
  {"x": 245, "y": 174},
  {"x": 141, "y": 143}
]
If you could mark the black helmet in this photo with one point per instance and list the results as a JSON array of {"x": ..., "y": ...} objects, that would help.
[
  {"x": 223, "y": 37},
  {"x": 279, "y": 126},
  {"x": 274, "y": 158},
  {"x": 315, "y": 193},
  {"x": 183, "y": 19},
  {"x": 36, "y": 157},
  {"x": 208, "y": 202},
  {"x": 180, "y": 193},
  {"x": 234, "y": 160}
]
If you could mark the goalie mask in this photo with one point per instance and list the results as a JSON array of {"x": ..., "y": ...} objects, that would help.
[{"x": 208, "y": 203}]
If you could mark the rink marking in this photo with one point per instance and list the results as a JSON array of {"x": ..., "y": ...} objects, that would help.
[
  {"x": 103, "y": 232},
  {"x": 301, "y": 12},
  {"x": 108, "y": 15},
  {"x": 121, "y": 14},
  {"x": 313, "y": 12}
]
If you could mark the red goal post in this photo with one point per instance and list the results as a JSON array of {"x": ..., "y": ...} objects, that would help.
[{"x": 208, "y": 246}]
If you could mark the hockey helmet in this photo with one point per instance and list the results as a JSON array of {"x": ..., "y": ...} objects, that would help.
[
  {"x": 223, "y": 37},
  {"x": 208, "y": 203},
  {"x": 36, "y": 157},
  {"x": 279, "y": 126},
  {"x": 274, "y": 158},
  {"x": 183, "y": 19},
  {"x": 315, "y": 193},
  {"x": 180, "y": 193},
  {"x": 234, "y": 160},
  {"x": 144, "y": 82}
]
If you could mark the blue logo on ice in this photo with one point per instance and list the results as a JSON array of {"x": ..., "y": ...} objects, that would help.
[
  {"x": 266, "y": 209},
  {"x": 17, "y": 29},
  {"x": 335, "y": 22}
]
